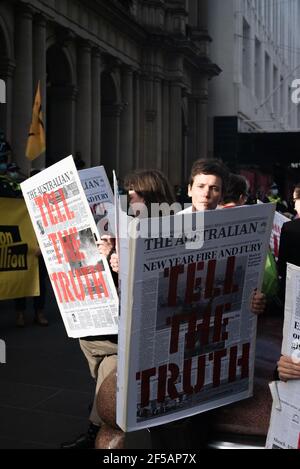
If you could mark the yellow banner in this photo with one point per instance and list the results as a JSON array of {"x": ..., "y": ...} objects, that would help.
[{"x": 19, "y": 275}]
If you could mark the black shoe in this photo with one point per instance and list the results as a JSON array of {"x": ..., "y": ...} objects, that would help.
[{"x": 85, "y": 441}]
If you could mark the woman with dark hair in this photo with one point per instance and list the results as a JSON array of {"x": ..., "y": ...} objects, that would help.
[
  {"x": 148, "y": 186},
  {"x": 145, "y": 187}
]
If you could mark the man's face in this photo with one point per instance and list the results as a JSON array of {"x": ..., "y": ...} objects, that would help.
[
  {"x": 206, "y": 192},
  {"x": 297, "y": 203}
]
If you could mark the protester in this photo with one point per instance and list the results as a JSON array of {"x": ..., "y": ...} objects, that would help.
[
  {"x": 9, "y": 186},
  {"x": 275, "y": 198},
  {"x": 144, "y": 188},
  {"x": 208, "y": 183},
  {"x": 236, "y": 192},
  {"x": 13, "y": 171},
  {"x": 289, "y": 243},
  {"x": 289, "y": 252},
  {"x": 5, "y": 149},
  {"x": 40, "y": 300}
]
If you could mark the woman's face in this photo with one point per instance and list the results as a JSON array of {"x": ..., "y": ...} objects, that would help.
[
  {"x": 137, "y": 207},
  {"x": 297, "y": 203},
  {"x": 135, "y": 198}
]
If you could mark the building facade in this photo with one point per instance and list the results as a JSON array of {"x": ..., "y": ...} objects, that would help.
[
  {"x": 124, "y": 83},
  {"x": 256, "y": 43}
]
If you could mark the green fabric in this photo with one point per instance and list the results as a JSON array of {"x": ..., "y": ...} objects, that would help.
[{"x": 270, "y": 285}]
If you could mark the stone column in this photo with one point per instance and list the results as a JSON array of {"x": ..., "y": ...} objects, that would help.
[
  {"x": 203, "y": 15},
  {"x": 126, "y": 129},
  {"x": 202, "y": 127},
  {"x": 61, "y": 122},
  {"x": 175, "y": 144},
  {"x": 39, "y": 71},
  {"x": 158, "y": 127},
  {"x": 84, "y": 103},
  {"x": 7, "y": 67},
  {"x": 23, "y": 95},
  {"x": 165, "y": 126},
  {"x": 137, "y": 121},
  {"x": 96, "y": 107},
  {"x": 149, "y": 155},
  {"x": 110, "y": 143},
  {"x": 200, "y": 97}
]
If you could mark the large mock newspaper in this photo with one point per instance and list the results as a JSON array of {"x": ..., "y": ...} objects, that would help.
[
  {"x": 186, "y": 332},
  {"x": 99, "y": 196},
  {"x": 67, "y": 233},
  {"x": 284, "y": 430}
]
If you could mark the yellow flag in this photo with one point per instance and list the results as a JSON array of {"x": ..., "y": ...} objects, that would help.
[{"x": 36, "y": 143}]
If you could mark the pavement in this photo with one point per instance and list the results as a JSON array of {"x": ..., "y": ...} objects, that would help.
[
  {"x": 45, "y": 388},
  {"x": 45, "y": 385}
]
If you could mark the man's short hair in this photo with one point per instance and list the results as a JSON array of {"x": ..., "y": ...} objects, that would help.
[
  {"x": 210, "y": 166},
  {"x": 237, "y": 186}
]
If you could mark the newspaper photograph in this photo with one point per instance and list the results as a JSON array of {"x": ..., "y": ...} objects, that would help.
[
  {"x": 186, "y": 332},
  {"x": 100, "y": 197},
  {"x": 284, "y": 430},
  {"x": 67, "y": 234}
]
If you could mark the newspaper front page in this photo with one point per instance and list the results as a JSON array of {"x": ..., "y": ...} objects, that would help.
[
  {"x": 99, "y": 196},
  {"x": 186, "y": 333},
  {"x": 66, "y": 233},
  {"x": 284, "y": 431}
]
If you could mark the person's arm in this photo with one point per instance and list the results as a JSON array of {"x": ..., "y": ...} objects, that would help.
[
  {"x": 114, "y": 262},
  {"x": 106, "y": 245},
  {"x": 258, "y": 302},
  {"x": 288, "y": 368}
]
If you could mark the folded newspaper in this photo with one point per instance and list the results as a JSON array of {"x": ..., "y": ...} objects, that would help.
[
  {"x": 186, "y": 332},
  {"x": 284, "y": 430},
  {"x": 67, "y": 234},
  {"x": 100, "y": 198}
]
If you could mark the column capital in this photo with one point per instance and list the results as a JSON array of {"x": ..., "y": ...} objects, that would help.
[
  {"x": 64, "y": 36},
  {"x": 64, "y": 92},
  {"x": 84, "y": 44},
  {"x": 97, "y": 52},
  {"x": 7, "y": 67},
  {"x": 25, "y": 10},
  {"x": 112, "y": 63},
  {"x": 40, "y": 20},
  {"x": 199, "y": 96},
  {"x": 137, "y": 73},
  {"x": 127, "y": 69},
  {"x": 113, "y": 110}
]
